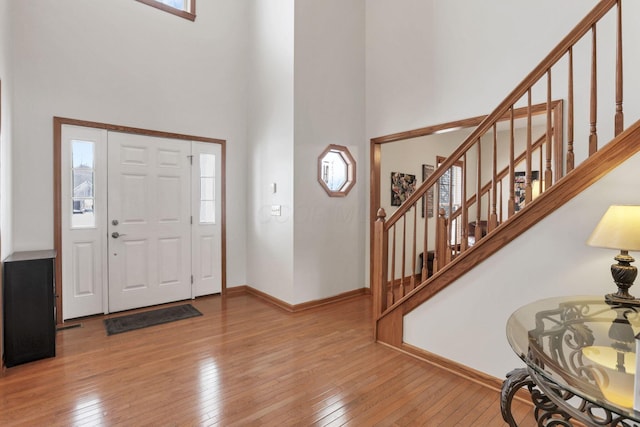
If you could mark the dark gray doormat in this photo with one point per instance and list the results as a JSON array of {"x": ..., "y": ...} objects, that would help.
[{"x": 117, "y": 325}]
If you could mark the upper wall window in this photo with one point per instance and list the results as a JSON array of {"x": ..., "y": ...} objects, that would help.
[{"x": 183, "y": 8}]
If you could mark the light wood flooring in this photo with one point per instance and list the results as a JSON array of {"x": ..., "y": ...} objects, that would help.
[{"x": 243, "y": 363}]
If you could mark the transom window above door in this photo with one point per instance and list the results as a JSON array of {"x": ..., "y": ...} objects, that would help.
[{"x": 183, "y": 8}]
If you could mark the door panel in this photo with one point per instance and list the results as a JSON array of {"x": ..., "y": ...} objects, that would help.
[
  {"x": 149, "y": 254},
  {"x": 170, "y": 199},
  {"x": 134, "y": 268},
  {"x": 133, "y": 206},
  {"x": 168, "y": 256},
  {"x": 84, "y": 269}
]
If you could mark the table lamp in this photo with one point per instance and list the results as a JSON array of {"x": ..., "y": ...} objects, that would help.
[{"x": 619, "y": 229}]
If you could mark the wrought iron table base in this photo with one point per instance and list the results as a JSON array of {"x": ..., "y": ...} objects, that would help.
[{"x": 552, "y": 407}]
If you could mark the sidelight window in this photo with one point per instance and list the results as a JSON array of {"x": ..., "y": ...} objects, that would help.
[
  {"x": 207, "y": 189},
  {"x": 82, "y": 182}
]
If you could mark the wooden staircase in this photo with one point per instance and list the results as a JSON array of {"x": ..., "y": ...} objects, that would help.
[{"x": 567, "y": 156}]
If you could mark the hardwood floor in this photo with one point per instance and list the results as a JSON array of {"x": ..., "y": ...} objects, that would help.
[{"x": 243, "y": 363}]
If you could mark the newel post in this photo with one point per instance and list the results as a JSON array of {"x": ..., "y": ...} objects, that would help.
[{"x": 380, "y": 260}]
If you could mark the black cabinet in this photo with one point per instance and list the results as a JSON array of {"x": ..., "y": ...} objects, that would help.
[{"x": 29, "y": 306}]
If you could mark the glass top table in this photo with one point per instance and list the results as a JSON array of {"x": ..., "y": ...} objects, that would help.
[{"x": 580, "y": 361}]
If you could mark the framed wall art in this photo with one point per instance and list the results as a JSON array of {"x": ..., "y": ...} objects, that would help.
[{"x": 402, "y": 186}]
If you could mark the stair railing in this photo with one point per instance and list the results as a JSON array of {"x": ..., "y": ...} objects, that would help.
[{"x": 414, "y": 245}]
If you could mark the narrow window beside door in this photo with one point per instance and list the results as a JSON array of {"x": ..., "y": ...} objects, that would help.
[
  {"x": 207, "y": 189},
  {"x": 82, "y": 195}
]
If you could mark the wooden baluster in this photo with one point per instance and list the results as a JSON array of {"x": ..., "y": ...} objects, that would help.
[
  {"x": 425, "y": 245},
  {"x": 493, "y": 216},
  {"x": 512, "y": 190},
  {"x": 465, "y": 225},
  {"x": 540, "y": 189},
  {"x": 593, "y": 134},
  {"x": 619, "y": 120},
  {"x": 443, "y": 251},
  {"x": 404, "y": 256},
  {"x": 436, "y": 207},
  {"x": 442, "y": 241},
  {"x": 412, "y": 282},
  {"x": 449, "y": 217},
  {"x": 501, "y": 216},
  {"x": 528, "y": 189},
  {"x": 570, "y": 154},
  {"x": 463, "y": 218},
  {"x": 548, "y": 173},
  {"x": 488, "y": 210},
  {"x": 380, "y": 262},
  {"x": 448, "y": 254},
  {"x": 392, "y": 285}
]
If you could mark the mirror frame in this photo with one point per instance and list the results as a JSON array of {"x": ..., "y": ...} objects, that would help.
[{"x": 351, "y": 170}]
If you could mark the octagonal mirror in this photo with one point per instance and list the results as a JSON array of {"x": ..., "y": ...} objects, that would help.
[{"x": 336, "y": 170}]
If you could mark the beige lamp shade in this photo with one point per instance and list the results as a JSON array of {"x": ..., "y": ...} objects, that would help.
[{"x": 619, "y": 229}]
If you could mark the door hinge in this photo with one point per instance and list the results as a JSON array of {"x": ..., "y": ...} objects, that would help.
[
  {"x": 192, "y": 279},
  {"x": 191, "y": 220},
  {"x": 190, "y": 159}
]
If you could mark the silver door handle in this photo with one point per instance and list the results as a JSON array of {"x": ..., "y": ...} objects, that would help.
[{"x": 115, "y": 235}]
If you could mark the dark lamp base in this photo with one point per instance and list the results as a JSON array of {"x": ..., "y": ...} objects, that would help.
[{"x": 623, "y": 274}]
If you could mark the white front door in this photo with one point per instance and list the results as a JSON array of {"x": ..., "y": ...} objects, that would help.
[{"x": 149, "y": 247}]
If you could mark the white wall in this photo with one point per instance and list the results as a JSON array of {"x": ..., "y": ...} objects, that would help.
[
  {"x": 306, "y": 91},
  {"x": 123, "y": 62},
  {"x": 270, "y": 124},
  {"x": 5, "y": 131},
  {"x": 329, "y": 109},
  {"x": 482, "y": 50},
  {"x": 467, "y": 322}
]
